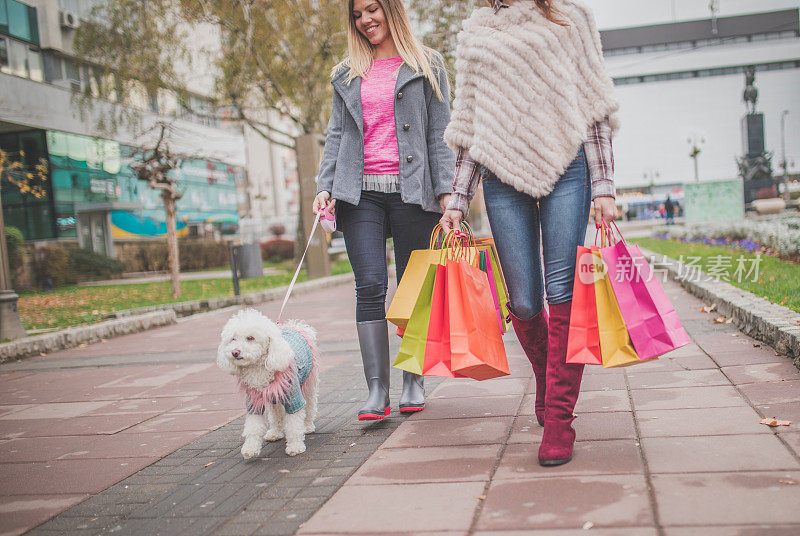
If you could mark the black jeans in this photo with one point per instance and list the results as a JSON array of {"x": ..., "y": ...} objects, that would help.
[{"x": 366, "y": 227}]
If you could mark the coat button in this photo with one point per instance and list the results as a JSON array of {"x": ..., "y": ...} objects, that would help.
[
  {"x": 409, "y": 158},
  {"x": 406, "y": 126},
  {"x": 400, "y": 95}
]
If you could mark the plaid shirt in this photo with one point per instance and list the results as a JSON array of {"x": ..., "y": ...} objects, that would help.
[{"x": 599, "y": 160}]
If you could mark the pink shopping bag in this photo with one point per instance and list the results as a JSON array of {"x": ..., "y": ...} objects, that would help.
[{"x": 650, "y": 318}]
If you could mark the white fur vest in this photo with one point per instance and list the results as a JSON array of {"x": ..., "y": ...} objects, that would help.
[{"x": 527, "y": 91}]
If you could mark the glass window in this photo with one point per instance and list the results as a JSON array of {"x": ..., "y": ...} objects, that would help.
[
  {"x": 3, "y": 17},
  {"x": 17, "y": 58},
  {"x": 22, "y": 21},
  {"x": 52, "y": 67},
  {"x": 3, "y": 53},
  {"x": 35, "y": 69}
]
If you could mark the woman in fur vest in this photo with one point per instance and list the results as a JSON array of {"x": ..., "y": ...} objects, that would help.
[
  {"x": 533, "y": 116},
  {"x": 386, "y": 169}
]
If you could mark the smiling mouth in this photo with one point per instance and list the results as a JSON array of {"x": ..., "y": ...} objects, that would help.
[{"x": 371, "y": 30}]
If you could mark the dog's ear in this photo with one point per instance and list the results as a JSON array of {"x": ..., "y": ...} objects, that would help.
[
  {"x": 280, "y": 355},
  {"x": 224, "y": 359}
]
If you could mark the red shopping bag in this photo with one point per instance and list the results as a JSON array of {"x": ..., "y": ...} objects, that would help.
[
  {"x": 437, "y": 345},
  {"x": 650, "y": 318},
  {"x": 583, "y": 344},
  {"x": 476, "y": 342}
]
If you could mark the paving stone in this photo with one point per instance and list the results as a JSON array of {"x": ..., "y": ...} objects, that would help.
[
  {"x": 594, "y": 531},
  {"x": 687, "y": 397},
  {"x": 431, "y": 433},
  {"x": 22, "y": 512},
  {"x": 671, "y": 380},
  {"x": 521, "y": 461},
  {"x": 764, "y": 372},
  {"x": 745, "y": 530},
  {"x": 763, "y": 393},
  {"x": 749, "y": 498},
  {"x": 598, "y": 382},
  {"x": 464, "y": 388},
  {"x": 700, "y": 422},
  {"x": 588, "y": 426},
  {"x": 237, "y": 529},
  {"x": 761, "y": 452},
  {"x": 593, "y": 401},
  {"x": 566, "y": 502},
  {"x": 434, "y": 507}
]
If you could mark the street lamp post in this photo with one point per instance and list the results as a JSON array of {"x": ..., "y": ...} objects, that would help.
[
  {"x": 694, "y": 153},
  {"x": 784, "y": 163}
]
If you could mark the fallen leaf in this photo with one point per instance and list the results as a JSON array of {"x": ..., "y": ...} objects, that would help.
[
  {"x": 728, "y": 321},
  {"x": 709, "y": 308},
  {"x": 588, "y": 525},
  {"x": 283, "y": 471},
  {"x": 82, "y": 345},
  {"x": 719, "y": 320},
  {"x": 788, "y": 482},
  {"x": 42, "y": 354},
  {"x": 756, "y": 345},
  {"x": 482, "y": 497},
  {"x": 209, "y": 463},
  {"x": 774, "y": 421}
]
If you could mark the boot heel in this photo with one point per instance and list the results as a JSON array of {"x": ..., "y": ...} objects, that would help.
[
  {"x": 412, "y": 409},
  {"x": 375, "y": 416}
]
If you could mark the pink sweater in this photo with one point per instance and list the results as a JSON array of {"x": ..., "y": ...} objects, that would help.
[{"x": 377, "y": 104}]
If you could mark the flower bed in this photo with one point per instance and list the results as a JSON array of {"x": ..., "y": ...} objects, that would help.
[{"x": 775, "y": 235}]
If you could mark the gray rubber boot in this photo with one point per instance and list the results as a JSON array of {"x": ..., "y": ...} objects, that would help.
[
  {"x": 373, "y": 337},
  {"x": 413, "y": 397}
]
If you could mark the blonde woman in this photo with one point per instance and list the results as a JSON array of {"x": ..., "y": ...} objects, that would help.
[
  {"x": 533, "y": 114},
  {"x": 385, "y": 170}
]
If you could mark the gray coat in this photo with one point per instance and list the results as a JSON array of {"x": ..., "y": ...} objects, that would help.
[{"x": 427, "y": 165}]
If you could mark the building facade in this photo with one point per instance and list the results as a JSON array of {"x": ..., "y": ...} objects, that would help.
[
  {"x": 93, "y": 195},
  {"x": 680, "y": 84}
]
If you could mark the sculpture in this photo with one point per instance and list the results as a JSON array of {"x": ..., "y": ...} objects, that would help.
[{"x": 750, "y": 96}]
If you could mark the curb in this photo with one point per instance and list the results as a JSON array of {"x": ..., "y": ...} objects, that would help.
[
  {"x": 770, "y": 323},
  {"x": 144, "y": 318}
]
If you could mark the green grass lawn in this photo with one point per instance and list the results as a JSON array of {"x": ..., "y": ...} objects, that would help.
[
  {"x": 777, "y": 280},
  {"x": 75, "y": 306}
]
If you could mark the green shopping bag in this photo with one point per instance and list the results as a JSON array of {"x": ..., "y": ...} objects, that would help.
[{"x": 412, "y": 348}]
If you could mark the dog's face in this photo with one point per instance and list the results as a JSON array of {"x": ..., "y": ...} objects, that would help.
[{"x": 250, "y": 338}]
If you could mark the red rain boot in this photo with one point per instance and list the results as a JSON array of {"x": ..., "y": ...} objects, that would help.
[
  {"x": 532, "y": 335},
  {"x": 563, "y": 386}
]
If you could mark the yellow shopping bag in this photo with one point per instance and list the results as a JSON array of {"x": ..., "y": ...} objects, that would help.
[{"x": 615, "y": 343}]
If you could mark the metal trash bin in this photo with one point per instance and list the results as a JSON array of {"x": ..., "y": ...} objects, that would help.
[{"x": 248, "y": 260}]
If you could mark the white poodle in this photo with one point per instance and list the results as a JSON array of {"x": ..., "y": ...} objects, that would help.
[{"x": 276, "y": 368}]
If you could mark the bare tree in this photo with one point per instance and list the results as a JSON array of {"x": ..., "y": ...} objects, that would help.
[{"x": 154, "y": 166}]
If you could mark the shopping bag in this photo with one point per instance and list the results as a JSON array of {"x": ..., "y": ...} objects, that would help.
[
  {"x": 583, "y": 344},
  {"x": 405, "y": 297},
  {"x": 615, "y": 343},
  {"x": 476, "y": 342},
  {"x": 437, "y": 347},
  {"x": 487, "y": 244},
  {"x": 486, "y": 266},
  {"x": 412, "y": 347},
  {"x": 651, "y": 320}
]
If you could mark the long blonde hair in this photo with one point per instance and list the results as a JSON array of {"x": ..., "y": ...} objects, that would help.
[
  {"x": 360, "y": 52},
  {"x": 550, "y": 12}
]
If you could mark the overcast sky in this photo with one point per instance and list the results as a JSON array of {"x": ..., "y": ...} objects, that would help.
[{"x": 623, "y": 13}]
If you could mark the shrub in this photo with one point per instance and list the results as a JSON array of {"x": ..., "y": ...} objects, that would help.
[
  {"x": 15, "y": 243},
  {"x": 87, "y": 264},
  {"x": 201, "y": 254},
  {"x": 53, "y": 266},
  {"x": 277, "y": 249},
  {"x": 277, "y": 229}
]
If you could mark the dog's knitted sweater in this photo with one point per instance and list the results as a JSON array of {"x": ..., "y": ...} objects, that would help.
[
  {"x": 288, "y": 386},
  {"x": 527, "y": 91}
]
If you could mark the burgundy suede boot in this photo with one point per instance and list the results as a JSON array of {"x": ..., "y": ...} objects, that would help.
[
  {"x": 532, "y": 335},
  {"x": 563, "y": 386}
]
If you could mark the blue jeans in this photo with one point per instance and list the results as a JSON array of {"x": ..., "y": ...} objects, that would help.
[
  {"x": 366, "y": 227},
  {"x": 531, "y": 232}
]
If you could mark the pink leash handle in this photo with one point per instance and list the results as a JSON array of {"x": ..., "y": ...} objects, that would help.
[{"x": 297, "y": 272}]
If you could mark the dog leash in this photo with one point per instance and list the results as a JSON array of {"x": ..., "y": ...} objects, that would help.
[{"x": 297, "y": 272}]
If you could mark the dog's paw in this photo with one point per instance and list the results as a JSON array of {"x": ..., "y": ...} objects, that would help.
[
  {"x": 293, "y": 449},
  {"x": 310, "y": 428},
  {"x": 273, "y": 435},
  {"x": 251, "y": 448}
]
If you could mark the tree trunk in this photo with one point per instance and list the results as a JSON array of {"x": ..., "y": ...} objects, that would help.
[
  {"x": 10, "y": 325},
  {"x": 172, "y": 243}
]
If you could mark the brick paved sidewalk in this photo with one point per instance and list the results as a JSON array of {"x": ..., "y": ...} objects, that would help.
[
  {"x": 663, "y": 447},
  {"x": 670, "y": 448}
]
